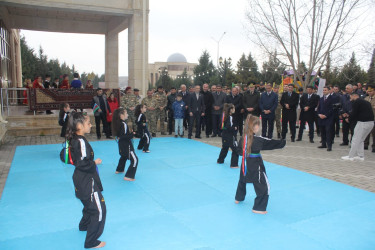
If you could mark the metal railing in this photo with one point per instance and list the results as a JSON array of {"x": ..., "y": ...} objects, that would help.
[{"x": 11, "y": 97}]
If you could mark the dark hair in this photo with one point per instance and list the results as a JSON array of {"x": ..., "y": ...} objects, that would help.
[
  {"x": 74, "y": 119},
  {"x": 75, "y": 75},
  {"x": 226, "y": 110},
  {"x": 173, "y": 88},
  {"x": 48, "y": 75},
  {"x": 218, "y": 86},
  {"x": 62, "y": 106},
  {"x": 137, "y": 111},
  {"x": 98, "y": 89},
  {"x": 326, "y": 87},
  {"x": 290, "y": 85},
  {"x": 116, "y": 120},
  {"x": 55, "y": 79},
  {"x": 160, "y": 87},
  {"x": 309, "y": 87},
  {"x": 337, "y": 86}
]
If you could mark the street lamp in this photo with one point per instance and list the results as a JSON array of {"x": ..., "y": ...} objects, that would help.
[{"x": 218, "y": 45}]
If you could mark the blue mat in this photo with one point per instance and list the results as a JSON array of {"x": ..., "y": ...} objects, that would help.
[{"x": 181, "y": 199}]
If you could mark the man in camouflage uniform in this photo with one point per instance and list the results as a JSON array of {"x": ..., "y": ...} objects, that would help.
[
  {"x": 129, "y": 101},
  {"x": 149, "y": 101},
  {"x": 278, "y": 111},
  {"x": 161, "y": 103}
]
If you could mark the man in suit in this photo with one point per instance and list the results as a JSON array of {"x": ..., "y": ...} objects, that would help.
[
  {"x": 308, "y": 103},
  {"x": 336, "y": 119},
  {"x": 217, "y": 110},
  {"x": 289, "y": 102},
  {"x": 208, "y": 100},
  {"x": 236, "y": 99},
  {"x": 250, "y": 101},
  {"x": 185, "y": 99},
  {"x": 268, "y": 104},
  {"x": 196, "y": 110},
  {"x": 325, "y": 113}
]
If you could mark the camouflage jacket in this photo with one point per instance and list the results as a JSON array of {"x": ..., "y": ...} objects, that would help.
[
  {"x": 160, "y": 100},
  {"x": 149, "y": 102},
  {"x": 129, "y": 101}
]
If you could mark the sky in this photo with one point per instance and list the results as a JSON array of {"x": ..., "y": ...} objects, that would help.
[{"x": 186, "y": 27}]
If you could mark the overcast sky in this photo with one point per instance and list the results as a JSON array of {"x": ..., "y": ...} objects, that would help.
[{"x": 186, "y": 27}]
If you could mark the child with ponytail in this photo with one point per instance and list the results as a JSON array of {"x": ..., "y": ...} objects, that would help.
[
  {"x": 124, "y": 137},
  {"x": 228, "y": 134},
  {"x": 87, "y": 183},
  {"x": 252, "y": 167}
]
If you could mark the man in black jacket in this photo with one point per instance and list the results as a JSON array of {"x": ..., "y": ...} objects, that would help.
[
  {"x": 208, "y": 101},
  {"x": 236, "y": 100},
  {"x": 309, "y": 101},
  {"x": 363, "y": 116},
  {"x": 196, "y": 110},
  {"x": 217, "y": 110},
  {"x": 250, "y": 101},
  {"x": 185, "y": 99},
  {"x": 289, "y": 102}
]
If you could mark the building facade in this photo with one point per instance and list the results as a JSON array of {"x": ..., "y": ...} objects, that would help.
[{"x": 174, "y": 66}]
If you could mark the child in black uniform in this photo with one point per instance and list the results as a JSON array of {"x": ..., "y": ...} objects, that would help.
[
  {"x": 87, "y": 183},
  {"x": 228, "y": 136},
  {"x": 252, "y": 168},
  {"x": 125, "y": 145},
  {"x": 64, "y": 117},
  {"x": 142, "y": 130}
]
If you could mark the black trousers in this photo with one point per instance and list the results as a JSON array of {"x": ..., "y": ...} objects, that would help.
[
  {"x": 224, "y": 152},
  {"x": 261, "y": 188},
  {"x": 317, "y": 123},
  {"x": 291, "y": 117},
  {"x": 170, "y": 121},
  {"x": 197, "y": 118},
  {"x": 325, "y": 134},
  {"x": 216, "y": 120},
  {"x": 144, "y": 142},
  {"x": 93, "y": 219},
  {"x": 130, "y": 173},
  {"x": 238, "y": 122},
  {"x": 346, "y": 127},
  {"x": 207, "y": 121},
  {"x": 310, "y": 122},
  {"x": 101, "y": 117},
  {"x": 336, "y": 124},
  {"x": 186, "y": 119},
  {"x": 267, "y": 126}
]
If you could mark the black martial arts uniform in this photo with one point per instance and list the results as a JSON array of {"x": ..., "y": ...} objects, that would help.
[
  {"x": 229, "y": 141},
  {"x": 88, "y": 188},
  {"x": 143, "y": 133},
  {"x": 63, "y": 121},
  {"x": 126, "y": 150},
  {"x": 255, "y": 171}
]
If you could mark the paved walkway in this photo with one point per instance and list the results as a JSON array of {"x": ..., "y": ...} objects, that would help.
[{"x": 303, "y": 156}]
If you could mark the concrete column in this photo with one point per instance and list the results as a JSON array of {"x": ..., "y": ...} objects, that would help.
[
  {"x": 111, "y": 60},
  {"x": 138, "y": 52}
]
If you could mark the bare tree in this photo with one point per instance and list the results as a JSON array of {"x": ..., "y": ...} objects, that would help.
[{"x": 303, "y": 30}]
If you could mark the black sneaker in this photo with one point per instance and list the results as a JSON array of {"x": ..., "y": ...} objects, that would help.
[
  {"x": 198, "y": 137},
  {"x": 322, "y": 146},
  {"x": 311, "y": 141},
  {"x": 189, "y": 137},
  {"x": 175, "y": 136},
  {"x": 344, "y": 144},
  {"x": 299, "y": 139}
]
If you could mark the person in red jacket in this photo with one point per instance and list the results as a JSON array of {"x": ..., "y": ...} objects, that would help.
[
  {"x": 113, "y": 104},
  {"x": 65, "y": 83},
  {"x": 38, "y": 83},
  {"x": 89, "y": 85},
  {"x": 28, "y": 85}
]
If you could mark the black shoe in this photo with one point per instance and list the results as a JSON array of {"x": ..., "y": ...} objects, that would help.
[
  {"x": 181, "y": 136},
  {"x": 153, "y": 135},
  {"x": 329, "y": 149},
  {"x": 213, "y": 136},
  {"x": 373, "y": 150},
  {"x": 109, "y": 137},
  {"x": 337, "y": 135},
  {"x": 198, "y": 137},
  {"x": 175, "y": 136},
  {"x": 170, "y": 133},
  {"x": 207, "y": 136},
  {"x": 366, "y": 148},
  {"x": 189, "y": 137},
  {"x": 98, "y": 137},
  {"x": 163, "y": 133},
  {"x": 278, "y": 136},
  {"x": 292, "y": 140},
  {"x": 299, "y": 139},
  {"x": 311, "y": 141},
  {"x": 219, "y": 135},
  {"x": 322, "y": 146},
  {"x": 344, "y": 144}
]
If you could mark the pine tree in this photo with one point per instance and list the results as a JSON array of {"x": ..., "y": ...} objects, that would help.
[{"x": 204, "y": 70}]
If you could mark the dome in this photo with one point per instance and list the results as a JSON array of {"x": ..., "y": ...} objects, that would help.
[{"x": 177, "y": 57}]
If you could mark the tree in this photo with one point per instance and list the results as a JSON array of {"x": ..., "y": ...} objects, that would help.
[
  {"x": 247, "y": 70},
  {"x": 272, "y": 69},
  {"x": 164, "y": 80},
  {"x": 351, "y": 73},
  {"x": 204, "y": 70},
  {"x": 28, "y": 60},
  {"x": 302, "y": 30},
  {"x": 371, "y": 70},
  {"x": 182, "y": 79}
]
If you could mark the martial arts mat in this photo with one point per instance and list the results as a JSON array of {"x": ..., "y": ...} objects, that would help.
[{"x": 181, "y": 199}]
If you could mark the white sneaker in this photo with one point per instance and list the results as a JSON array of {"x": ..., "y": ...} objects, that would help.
[
  {"x": 359, "y": 158},
  {"x": 347, "y": 158}
]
